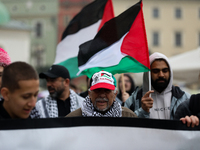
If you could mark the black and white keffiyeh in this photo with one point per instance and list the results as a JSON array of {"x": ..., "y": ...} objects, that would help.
[
  {"x": 48, "y": 108},
  {"x": 53, "y": 108},
  {"x": 89, "y": 110},
  {"x": 73, "y": 100},
  {"x": 34, "y": 113}
]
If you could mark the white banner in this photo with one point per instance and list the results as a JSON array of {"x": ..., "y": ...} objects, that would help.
[{"x": 97, "y": 134}]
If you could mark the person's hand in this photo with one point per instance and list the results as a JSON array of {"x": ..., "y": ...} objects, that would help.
[
  {"x": 191, "y": 121},
  {"x": 147, "y": 102},
  {"x": 125, "y": 96}
]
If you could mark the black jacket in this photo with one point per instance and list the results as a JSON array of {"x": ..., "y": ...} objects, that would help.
[
  {"x": 189, "y": 107},
  {"x": 3, "y": 113}
]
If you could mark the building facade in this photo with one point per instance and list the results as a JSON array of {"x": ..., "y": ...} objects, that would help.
[
  {"x": 172, "y": 26},
  {"x": 17, "y": 48},
  {"x": 41, "y": 16},
  {"x": 67, "y": 10}
]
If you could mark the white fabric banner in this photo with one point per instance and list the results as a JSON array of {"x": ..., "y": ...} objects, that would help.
[{"x": 97, "y": 134}]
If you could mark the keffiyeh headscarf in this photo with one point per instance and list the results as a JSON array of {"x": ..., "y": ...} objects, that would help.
[
  {"x": 89, "y": 110},
  {"x": 4, "y": 58}
]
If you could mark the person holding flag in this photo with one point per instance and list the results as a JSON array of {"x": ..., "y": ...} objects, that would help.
[
  {"x": 162, "y": 101},
  {"x": 101, "y": 100},
  {"x": 127, "y": 90}
]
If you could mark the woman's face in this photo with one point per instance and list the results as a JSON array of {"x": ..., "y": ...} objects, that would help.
[{"x": 127, "y": 83}]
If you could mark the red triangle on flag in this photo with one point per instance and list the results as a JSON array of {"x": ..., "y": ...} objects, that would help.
[
  {"x": 135, "y": 42},
  {"x": 107, "y": 14}
]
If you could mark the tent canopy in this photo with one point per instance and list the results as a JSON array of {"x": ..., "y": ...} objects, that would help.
[{"x": 186, "y": 66}]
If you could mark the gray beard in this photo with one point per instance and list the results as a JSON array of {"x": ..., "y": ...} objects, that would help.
[{"x": 101, "y": 110}]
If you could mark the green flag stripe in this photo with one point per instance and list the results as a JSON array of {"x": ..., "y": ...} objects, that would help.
[
  {"x": 72, "y": 65},
  {"x": 127, "y": 64}
]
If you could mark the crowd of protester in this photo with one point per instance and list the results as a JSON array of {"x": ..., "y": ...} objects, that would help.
[{"x": 20, "y": 87}]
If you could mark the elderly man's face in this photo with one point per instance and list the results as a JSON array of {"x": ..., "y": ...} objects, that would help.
[{"x": 102, "y": 98}]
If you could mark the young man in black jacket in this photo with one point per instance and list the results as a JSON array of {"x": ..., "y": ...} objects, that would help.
[{"x": 20, "y": 86}]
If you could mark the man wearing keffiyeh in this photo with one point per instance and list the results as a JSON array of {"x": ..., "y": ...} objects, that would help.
[
  {"x": 61, "y": 100},
  {"x": 100, "y": 101}
]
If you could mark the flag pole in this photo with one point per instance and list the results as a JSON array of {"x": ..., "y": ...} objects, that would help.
[
  {"x": 150, "y": 82},
  {"x": 123, "y": 85}
]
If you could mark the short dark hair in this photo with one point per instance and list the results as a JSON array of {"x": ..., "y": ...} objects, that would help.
[{"x": 16, "y": 72}]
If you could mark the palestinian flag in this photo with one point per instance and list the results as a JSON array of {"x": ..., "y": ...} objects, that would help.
[
  {"x": 83, "y": 27},
  {"x": 120, "y": 46}
]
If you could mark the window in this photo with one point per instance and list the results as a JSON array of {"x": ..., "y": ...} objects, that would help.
[
  {"x": 14, "y": 8},
  {"x": 38, "y": 58},
  {"x": 38, "y": 29},
  {"x": 43, "y": 7},
  {"x": 155, "y": 13},
  {"x": 178, "y": 13},
  {"x": 178, "y": 39},
  {"x": 155, "y": 39},
  {"x": 199, "y": 13}
]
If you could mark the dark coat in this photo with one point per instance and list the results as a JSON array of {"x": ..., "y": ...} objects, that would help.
[{"x": 189, "y": 107}]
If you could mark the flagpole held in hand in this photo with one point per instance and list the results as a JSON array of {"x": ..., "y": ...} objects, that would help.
[
  {"x": 125, "y": 95},
  {"x": 149, "y": 83},
  {"x": 123, "y": 85}
]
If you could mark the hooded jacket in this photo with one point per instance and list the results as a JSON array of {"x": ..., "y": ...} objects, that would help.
[{"x": 165, "y": 103}]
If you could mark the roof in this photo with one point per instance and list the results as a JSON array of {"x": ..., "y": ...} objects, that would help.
[{"x": 16, "y": 25}]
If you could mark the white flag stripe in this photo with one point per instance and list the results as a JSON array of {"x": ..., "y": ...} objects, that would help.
[
  {"x": 109, "y": 56},
  {"x": 69, "y": 46}
]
